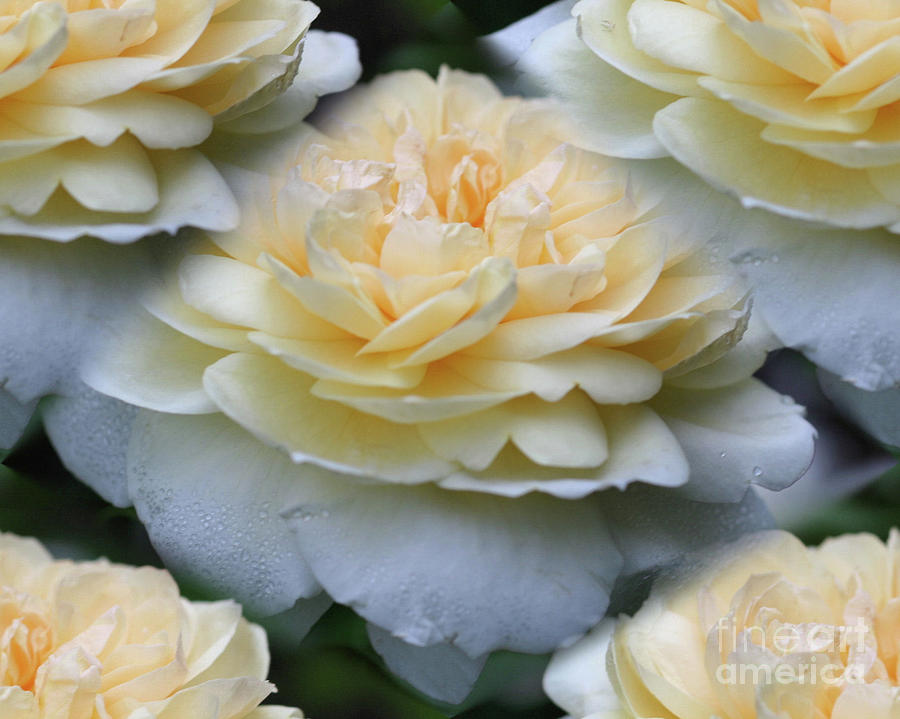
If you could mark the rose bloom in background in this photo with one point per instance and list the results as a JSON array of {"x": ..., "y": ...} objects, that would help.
[
  {"x": 102, "y": 101},
  {"x": 420, "y": 374},
  {"x": 84, "y": 639},
  {"x": 791, "y": 107},
  {"x": 767, "y": 628},
  {"x": 103, "y": 109}
]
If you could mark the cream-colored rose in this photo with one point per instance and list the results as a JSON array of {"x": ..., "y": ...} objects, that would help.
[
  {"x": 441, "y": 286},
  {"x": 92, "y": 639},
  {"x": 793, "y": 105},
  {"x": 100, "y": 101},
  {"x": 767, "y": 629}
]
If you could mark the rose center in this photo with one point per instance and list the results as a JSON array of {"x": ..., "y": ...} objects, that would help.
[
  {"x": 464, "y": 174},
  {"x": 26, "y": 638}
]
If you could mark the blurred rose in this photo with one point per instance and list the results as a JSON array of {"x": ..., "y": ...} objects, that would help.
[
  {"x": 102, "y": 101},
  {"x": 440, "y": 290},
  {"x": 89, "y": 639},
  {"x": 767, "y": 629}
]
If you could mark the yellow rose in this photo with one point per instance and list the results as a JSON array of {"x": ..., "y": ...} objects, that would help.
[
  {"x": 101, "y": 101},
  {"x": 454, "y": 292},
  {"x": 94, "y": 639},
  {"x": 791, "y": 105},
  {"x": 767, "y": 629},
  {"x": 440, "y": 322}
]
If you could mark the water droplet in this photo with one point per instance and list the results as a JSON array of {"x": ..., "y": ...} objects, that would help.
[
  {"x": 757, "y": 471},
  {"x": 723, "y": 454},
  {"x": 608, "y": 25}
]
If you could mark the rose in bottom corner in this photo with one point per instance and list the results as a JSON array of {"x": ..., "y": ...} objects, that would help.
[
  {"x": 766, "y": 628},
  {"x": 420, "y": 374},
  {"x": 81, "y": 639}
]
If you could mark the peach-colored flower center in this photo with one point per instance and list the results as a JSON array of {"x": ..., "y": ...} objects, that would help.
[
  {"x": 26, "y": 638},
  {"x": 840, "y": 29}
]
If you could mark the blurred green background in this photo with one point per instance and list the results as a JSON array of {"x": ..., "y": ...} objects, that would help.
[{"x": 333, "y": 673}]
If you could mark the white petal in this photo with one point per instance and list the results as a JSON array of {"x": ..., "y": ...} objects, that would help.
[
  {"x": 478, "y": 572},
  {"x": 807, "y": 286},
  {"x": 330, "y": 63},
  {"x": 270, "y": 711},
  {"x": 213, "y": 514},
  {"x": 576, "y": 678},
  {"x": 191, "y": 193},
  {"x": 55, "y": 301},
  {"x": 614, "y": 111},
  {"x": 736, "y": 436},
  {"x": 740, "y": 362},
  {"x": 90, "y": 433},
  {"x": 510, "y": 43},
  {"x": 441, "y": 671},
  {"x": 844, "y": 462},
  {"x": 878, "y": 413},
  {"x": 724, "y": 147},
  {"x": 14, "y": 418},
  {"x": 654, "y": 527}
]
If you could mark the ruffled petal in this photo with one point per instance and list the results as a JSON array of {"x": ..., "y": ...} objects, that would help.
[
  {"x": 151, "y": 365},
  {"x": 329, "y": 63},
  {"x": 697, "y": 41},
  {"x": 640, "y": 447}
]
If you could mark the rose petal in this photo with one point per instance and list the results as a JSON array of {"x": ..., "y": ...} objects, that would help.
[
  {"x": 737, "y": 436},
  {"x": 441, "y": 671},
  {"x": 204, "y": 510},
  {"x": 723, "y": 147},
  {"x": 521, "y": 574}
]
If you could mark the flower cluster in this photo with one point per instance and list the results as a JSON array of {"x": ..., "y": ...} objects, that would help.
[{"x": 475, "y": 365}]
